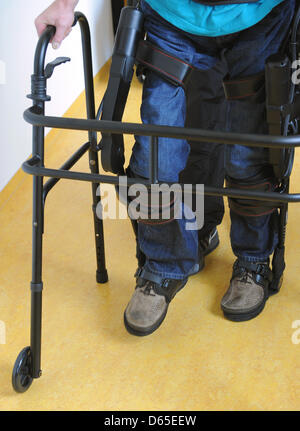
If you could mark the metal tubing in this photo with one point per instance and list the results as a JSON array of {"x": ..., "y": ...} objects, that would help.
[
  {"x": 88, "y": 73},
  {"x": 37, "y": 239},
  {"x": 197, "y": 135},
  {"x": 35, "y": 333},
  {"x": 41, "y": 50},
  {"x": 153, "y": 160},
  {"x": 274, "y": 197},
  {"x": 101, "y": 273},
  {"x": 38, "y": 214}
]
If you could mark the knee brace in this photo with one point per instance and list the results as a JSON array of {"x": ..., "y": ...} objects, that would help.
[
  {"x": 148, "y": 214},
  {"x": 251, "y": 207}
]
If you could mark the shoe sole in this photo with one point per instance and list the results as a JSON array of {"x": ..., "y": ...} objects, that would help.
[
  {"x": 142, "y": 333},
  {"x": 242, "y": 317}
]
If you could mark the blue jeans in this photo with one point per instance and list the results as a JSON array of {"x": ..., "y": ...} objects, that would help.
[{"x": 171, "y": 250}]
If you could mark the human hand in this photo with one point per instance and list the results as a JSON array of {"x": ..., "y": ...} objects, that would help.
[{"x": 59, "y": 14}]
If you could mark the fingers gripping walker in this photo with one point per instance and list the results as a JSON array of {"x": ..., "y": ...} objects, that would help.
[{"x": 283, "y": 112}]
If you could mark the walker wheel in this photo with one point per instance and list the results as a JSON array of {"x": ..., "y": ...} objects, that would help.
[{"x": 21, "y": 378}]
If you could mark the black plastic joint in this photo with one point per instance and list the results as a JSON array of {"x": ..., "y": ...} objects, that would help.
[
  {"x": 36, "y": 287},
  {"x": 39, "y": 89}
]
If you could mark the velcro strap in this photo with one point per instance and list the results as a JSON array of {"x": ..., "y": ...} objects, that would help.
[
  {"x": 258, "y": 269},
  {"x": 171, "y": 68},
  {"x": 141, "y": 275},
  {"x": 244, "y": 88},
  {"x": 162, "y": 286}
]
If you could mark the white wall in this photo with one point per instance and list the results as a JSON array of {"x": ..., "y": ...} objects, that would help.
[{"x": 18, "y": 40}]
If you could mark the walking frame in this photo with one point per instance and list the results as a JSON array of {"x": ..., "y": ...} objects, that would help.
[{"x": 282, "y": 118}]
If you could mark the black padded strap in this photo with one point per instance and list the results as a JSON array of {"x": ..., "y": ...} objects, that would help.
[
  {"x": 245, "y": 88},
  {"x": 169, "y": 67},
  {"x": 157, "y": 207},
  {"x": 251, "y": 207}
]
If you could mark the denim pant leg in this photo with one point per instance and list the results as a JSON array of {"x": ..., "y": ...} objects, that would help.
[
  {"x": 171, "y": 249},
  {"x": 253, "y": 238}
]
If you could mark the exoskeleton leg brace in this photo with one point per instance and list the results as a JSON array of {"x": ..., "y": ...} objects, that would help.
[
  {"x": 272, "y": 85},
  {"x": 283, "y": 112}
]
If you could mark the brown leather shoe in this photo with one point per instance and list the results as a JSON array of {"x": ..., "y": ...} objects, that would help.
[
  {"x": 248, "y": 291},
  {"x": 149, "y": 304}
]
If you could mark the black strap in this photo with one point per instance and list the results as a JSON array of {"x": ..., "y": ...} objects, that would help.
[
  {"x": 252, "y": 207},
  {"x": 162, "y": 286},
  {"x": 244, "y": 88},
  {"x": 174, "y": 70},
  {"x": 261, "y": 272}
]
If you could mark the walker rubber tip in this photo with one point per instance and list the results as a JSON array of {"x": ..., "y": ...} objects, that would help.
[{"x": 102, "y": 276}]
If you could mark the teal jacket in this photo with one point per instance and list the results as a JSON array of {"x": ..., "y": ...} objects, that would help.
[{"x": 220, "y": 20}]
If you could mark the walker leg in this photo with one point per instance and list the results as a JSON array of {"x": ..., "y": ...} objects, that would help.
[
  {"x": 36, "y": 284},
  {"x": 28, "y": 363},
  {"x": 101, "y": 273}
]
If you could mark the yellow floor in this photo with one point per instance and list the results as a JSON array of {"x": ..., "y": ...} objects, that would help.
[{"x": 197, "y": 360}]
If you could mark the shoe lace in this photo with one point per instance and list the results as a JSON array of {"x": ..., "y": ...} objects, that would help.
[
  {"x": 244, "y": 276},
  {"x": 148, "y": 289}
]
